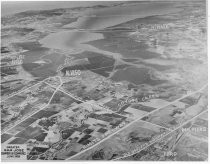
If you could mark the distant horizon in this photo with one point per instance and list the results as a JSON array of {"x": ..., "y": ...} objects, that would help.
[{"x": 13, "y": 7}]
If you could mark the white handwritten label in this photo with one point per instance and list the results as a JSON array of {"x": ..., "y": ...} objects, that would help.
[{"x": 14, "y": 152}]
